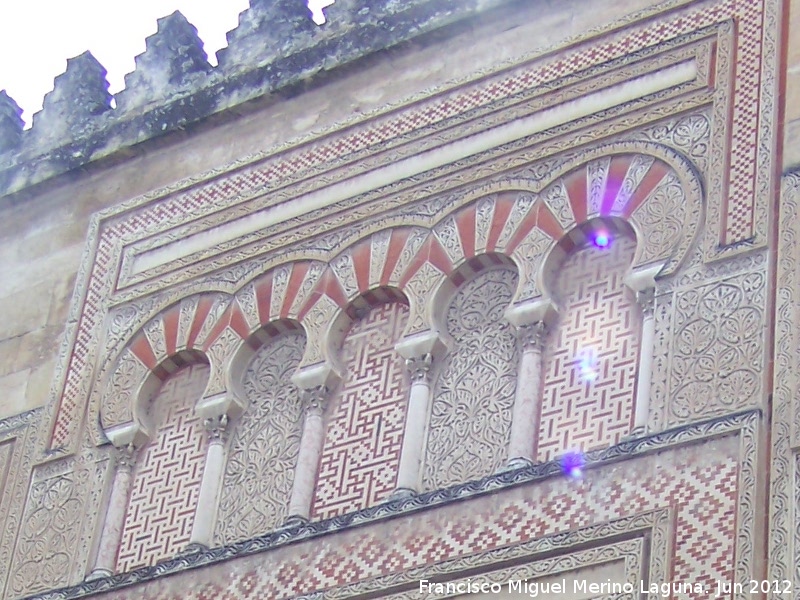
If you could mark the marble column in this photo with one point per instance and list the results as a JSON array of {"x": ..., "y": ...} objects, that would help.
[
  {"x": 646, "y": 300},
  {"x": 205, "y": 516},
  {"x": 416, "y": 428},
  {"x": 106, "y": 561},
  {"x": 314, "y": 400},
  {"x": 526, "y": 413}
]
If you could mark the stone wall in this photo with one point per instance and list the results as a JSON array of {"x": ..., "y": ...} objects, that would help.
[{"x": 394, "y": 274}]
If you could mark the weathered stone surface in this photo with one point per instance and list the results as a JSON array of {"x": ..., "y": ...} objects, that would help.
[
  {"x": 79, "y": 95},
  {"x": 266, "y": 30},
  {"x": 275, "y": 48},
  {"x": 12, "y": 393},
  {"x": 11, "y": 123},
  {"x": 174, "y": 61}
]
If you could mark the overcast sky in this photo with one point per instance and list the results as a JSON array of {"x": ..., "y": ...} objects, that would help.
[{"x": 37, "y": 37}]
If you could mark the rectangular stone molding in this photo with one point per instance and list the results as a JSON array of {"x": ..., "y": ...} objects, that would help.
[
  {"x": 54, "y": 542},
  {"x": 648, "y": 506},
  {"x": 650, "y": 66}
]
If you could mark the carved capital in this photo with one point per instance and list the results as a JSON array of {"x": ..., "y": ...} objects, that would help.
[
  {"x": 419, "y": 367},
  {"x": 216, "y": 428},
  {"x": 532, "y": 336},
  {"x": 646, "y": 299},
  {"x": 314, "y": 399},
  {"x": 125, "y": 457}
]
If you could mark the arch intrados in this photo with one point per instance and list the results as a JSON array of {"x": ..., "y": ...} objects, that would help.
[
  {"x": 443, "y": 295},
  {"x": 244, "y": 354},
  {"x": 155, "y": 378},
  {"x": 579, "y": 238},
  {"x": 356, "y": 309}
]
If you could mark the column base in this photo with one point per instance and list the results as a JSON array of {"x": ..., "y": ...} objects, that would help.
[
  {"x": 402, "y": 494},
  {"x": 194, "y": 548},
  {"x": 516, "y": 463},
  {"x": 294, "y": 521},
  {"x": 99, "y": 574},
  {"x": 635, "y": 434}
]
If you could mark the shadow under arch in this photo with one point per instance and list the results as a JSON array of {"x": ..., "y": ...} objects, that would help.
[
  {"x": 366, "y": 413},
  {"x": 442, "y": 296},
  {"x": 598, "y": 232},
  {"x": 162, "y": 372},
  {"x": 356, "y": 309},
  {"x": 474, "y": 383},
  {"x": 242, "y": 357}
]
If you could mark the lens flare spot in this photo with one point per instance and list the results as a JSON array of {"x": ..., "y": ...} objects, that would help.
[
  {"x": 602, "y": 239},
  {"x": 588, "y": 364},
  {"x": 572, "y": 464}
]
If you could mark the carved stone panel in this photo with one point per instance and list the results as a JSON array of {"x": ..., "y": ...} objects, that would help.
[
  {"x": 364, "y": 434},
  {"x": 717, "y": 349},
  {"x": 166, "y": 481},
  {"x": 52, "y": 545},
  {"x": 264, "y": 444},
  {"x": 474, "y": 393},
  {"x": 591, "y": 356}
]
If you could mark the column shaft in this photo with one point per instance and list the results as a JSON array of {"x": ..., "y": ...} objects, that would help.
[
  {"x": 205, "y": 516},
  {"x": 311, "y": 440},
  {"x": 646, "y": 300},
  {"x": 106, "y": 560},
  {"x": 528, "y": 397},
  {"x": 419, "y": 401}
]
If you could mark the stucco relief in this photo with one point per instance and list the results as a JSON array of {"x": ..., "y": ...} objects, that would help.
[
  {"x": 784, "y": 524},
  {"x": 661, "y": 199},
  {"x": 474, "y": 392},
  {"x": 661, "y": 219},
  {"x": 122, "y": 393},
  {"x": 52, "y": 546},
  {"x": 264, "y": 444},
  {"x": 717, "y": 349}
]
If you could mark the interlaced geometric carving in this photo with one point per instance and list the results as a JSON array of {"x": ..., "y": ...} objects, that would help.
[
  {"x": 48, "y": 534},
  {"x": 166, "y": 481},
  {"x": 717, "y": 349},
  {"x": 470, "y": 419},
  {"x": 591, "y": 356},
  {"x": 264, "y": 445},
  {"x": 360, "y": 456}
]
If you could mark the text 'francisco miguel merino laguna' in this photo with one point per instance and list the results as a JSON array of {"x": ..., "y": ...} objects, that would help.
[{"x": 581, "y": 586}]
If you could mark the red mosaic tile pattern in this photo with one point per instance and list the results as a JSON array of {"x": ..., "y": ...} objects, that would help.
[
  {"x": 698, "y": 482},
  {"x": 168, "y": 473},
  {"x": 592, "y": 353},
  {"x": 364, "y": 434},
  {"x": 744, "y": 141},
  {"x": 748, "y": 59},
  {"x": 70, "y": 406}
]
